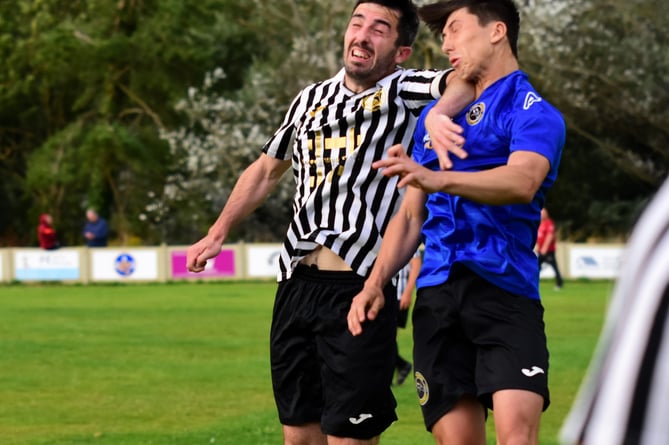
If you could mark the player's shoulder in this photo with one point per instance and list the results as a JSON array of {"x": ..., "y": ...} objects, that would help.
[
  {"x": 528, "y": 101},
  {"x": 526, "y": 96}
]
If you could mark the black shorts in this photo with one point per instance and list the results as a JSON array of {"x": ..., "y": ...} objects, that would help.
[
  {"x": 473, "y": 338},
  {"x": 320, "y": 372}
]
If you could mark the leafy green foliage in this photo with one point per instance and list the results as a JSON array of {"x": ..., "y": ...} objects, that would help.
[
  {"x": 604, "y": 65},
  {"x": 88, "y": 86},
  {"x": 96, "y": 110}
]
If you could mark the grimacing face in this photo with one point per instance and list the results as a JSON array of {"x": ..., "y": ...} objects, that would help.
[
  {"x": 467, "y": 44},
  {"x": 370, "y": 46}
]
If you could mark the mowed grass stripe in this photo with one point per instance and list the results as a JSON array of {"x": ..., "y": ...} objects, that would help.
[{"x": 188, "y": 363}]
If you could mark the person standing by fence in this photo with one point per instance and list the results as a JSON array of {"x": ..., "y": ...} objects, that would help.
[
  {"x": 546, "y": 243},
  {"x": 46, "y": 233},
  {"x": 95, "y": 230}
]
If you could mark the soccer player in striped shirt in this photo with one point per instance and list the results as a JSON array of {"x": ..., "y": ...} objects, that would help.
[
  {"x": 625, "y": 396},
  {"x": 330, "y": 387},
  {"x": 479, "y": 339}
]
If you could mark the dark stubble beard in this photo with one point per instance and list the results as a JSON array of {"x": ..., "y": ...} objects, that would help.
[{"x": 369, "y": 77}]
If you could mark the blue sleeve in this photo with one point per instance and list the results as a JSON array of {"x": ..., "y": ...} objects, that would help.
[{"x": 538, "y": 127}]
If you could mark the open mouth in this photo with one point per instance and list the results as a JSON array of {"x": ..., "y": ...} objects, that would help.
[{"x": 359, "y": 53}]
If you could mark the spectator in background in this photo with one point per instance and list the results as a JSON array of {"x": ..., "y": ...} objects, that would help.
[
  {"x": 96, "y": 229},
  {"x": 46, "y": 233},
  {"x": 546, "y": 245},
  {"x": 406, "y": 283}
]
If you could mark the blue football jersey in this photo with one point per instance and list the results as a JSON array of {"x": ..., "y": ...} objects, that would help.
[{"x": 495, "y": 241}]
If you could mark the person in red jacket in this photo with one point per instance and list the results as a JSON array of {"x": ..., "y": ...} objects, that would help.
[
  {"x": 546, "y": 245},
  {"x": 48, "y": 239}
]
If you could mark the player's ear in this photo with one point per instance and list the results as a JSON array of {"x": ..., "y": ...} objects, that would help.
[
  {"x": 403, "y": 53},
  {"x": 498, "y": 32}
]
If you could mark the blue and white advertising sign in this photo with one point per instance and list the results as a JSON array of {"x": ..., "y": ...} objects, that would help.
[
  {"x": 595, "y": 261},
  {"x": 124, "y": 265},
  {"x": 262, "y": 261},
  {"x": 46, "y": 265}
]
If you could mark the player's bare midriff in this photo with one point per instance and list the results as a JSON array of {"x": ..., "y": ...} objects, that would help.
[{"x": 325, "y": 259}]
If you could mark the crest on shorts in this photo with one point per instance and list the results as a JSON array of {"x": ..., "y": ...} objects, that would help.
[
  {"x": 422, "y": 389},
  {"x": 475, "y": 113}
]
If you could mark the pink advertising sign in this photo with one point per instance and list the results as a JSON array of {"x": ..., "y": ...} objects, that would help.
[{"x": 221, "y": 266}]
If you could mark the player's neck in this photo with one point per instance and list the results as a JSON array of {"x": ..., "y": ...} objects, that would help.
[{"x": 495, "y": 71}]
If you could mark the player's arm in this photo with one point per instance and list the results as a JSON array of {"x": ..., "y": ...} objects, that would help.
[
  {"x": 516, "y": 182},
  {"x": 400, "y": 242},
  {"x": 446, "y": 135},
  {"x": 251, "y": 190},
  {"x": 414, "y": 269}
]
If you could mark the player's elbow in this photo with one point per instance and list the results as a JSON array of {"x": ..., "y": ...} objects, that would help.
[
  {"x": 524, "y": 192},
  {"x": 526, "y": 196}
]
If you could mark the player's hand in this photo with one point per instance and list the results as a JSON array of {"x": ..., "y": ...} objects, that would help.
[
  {"x": 198, "y": 254},
  {"x": 411, "y": 173},
  {"x": 405, "y": 301},
  {"x": 446, "y": 137},
  {"x": 365, "y": 306}
]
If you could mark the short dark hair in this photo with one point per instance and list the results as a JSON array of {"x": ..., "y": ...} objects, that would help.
[
  {"x": 407, "y": 28},
  {"x": 435, "y": 15}
]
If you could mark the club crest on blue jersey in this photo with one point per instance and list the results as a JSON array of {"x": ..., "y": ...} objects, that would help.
[
  {"x": 427, "y": 142},
  {"x": 475, "y": 113}
]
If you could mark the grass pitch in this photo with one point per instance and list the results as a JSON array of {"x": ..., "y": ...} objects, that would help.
[{"x": 188, "y": 363}]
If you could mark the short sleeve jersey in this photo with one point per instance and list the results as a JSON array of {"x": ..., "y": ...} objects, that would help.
[
  {"x": 332, "y": 136},
  {"x": 496, "y": 242}
]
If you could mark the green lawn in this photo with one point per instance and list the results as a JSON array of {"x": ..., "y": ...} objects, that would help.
[{"x": 187, "y": 363}]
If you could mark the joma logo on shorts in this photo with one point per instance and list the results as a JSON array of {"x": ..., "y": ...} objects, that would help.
[
  {"x": 361, "y": 418},
  {"x": 532, "y": 372}
]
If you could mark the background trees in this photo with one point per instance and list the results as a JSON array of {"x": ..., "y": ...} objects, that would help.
[
  {"x": 149, "y": 109},
  {"x": 604, "y": 64},
  {"x": 86, "y": 88}
]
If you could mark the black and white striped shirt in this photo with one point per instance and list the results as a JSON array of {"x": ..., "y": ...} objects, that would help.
[
  {"x": 333, "y": 136},
  {"x": 625, "y": 396}
]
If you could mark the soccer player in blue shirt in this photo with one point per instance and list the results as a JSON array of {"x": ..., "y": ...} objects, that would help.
[{"x": 479, "y": 333}]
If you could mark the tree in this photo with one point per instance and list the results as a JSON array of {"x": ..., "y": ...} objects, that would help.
[
  {"x": 88, "y": 85},
  {"x": 604, "y": 64},
  {"x": 225, "y": 132}
]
